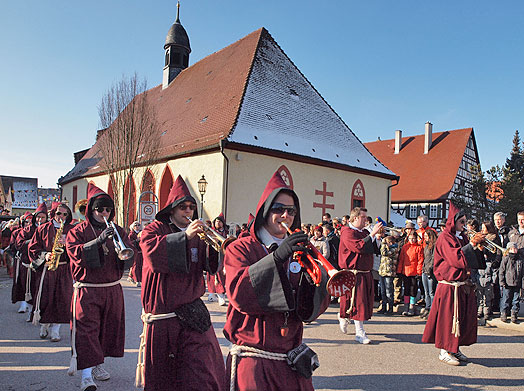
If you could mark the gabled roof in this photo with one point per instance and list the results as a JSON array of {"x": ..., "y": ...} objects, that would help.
[
  {"x": 423, "y": 177},
  {"x": 247, "y": 89}
]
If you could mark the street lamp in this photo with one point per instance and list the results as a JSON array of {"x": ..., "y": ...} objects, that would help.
[{"x": 202, "y": 186}]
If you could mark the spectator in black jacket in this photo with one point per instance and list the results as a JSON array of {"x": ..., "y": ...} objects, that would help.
[{"x": 510, "y": 277}]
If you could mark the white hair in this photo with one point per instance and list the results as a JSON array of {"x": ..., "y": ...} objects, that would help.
[
  {"x": 423, "y": 217},
  {"x": 499, "y": 214}
]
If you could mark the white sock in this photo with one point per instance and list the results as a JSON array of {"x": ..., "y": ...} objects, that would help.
[
  {"x": 443, "y": 351},
  {"x": 55, "y": 327},
  {"x": 87, "y": 372},
  {"x": 359, "y": 327}
]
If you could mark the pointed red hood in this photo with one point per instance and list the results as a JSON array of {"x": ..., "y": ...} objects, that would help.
[
  {"x": 453, "y": 215},
  {"x": 94, "y": 192},
  {"x": 179, "y": 193},
  {"x": 42, "y": 208},
  {"x": 275, "y": 185},
  {"x": 222, "y": 219}
]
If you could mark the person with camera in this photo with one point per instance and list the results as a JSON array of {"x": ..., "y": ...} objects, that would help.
[{"x": 270, "y": 297}]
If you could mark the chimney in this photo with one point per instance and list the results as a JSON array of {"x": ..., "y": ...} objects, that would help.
[
  {"x": 398, "y": 141},
  {"x": 428, "y": 137}
]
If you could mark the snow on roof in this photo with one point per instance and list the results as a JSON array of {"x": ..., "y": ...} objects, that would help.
[{"x": 282, "y": 111}]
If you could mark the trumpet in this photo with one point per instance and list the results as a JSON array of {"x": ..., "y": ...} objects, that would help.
[
  {"x": 124, "y": 253},
  {"x": 340, "y": 281},
  {"x": 489, "y": 245},
  {"x": 214, "y": 239}
]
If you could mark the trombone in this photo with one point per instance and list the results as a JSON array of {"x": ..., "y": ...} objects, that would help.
[
  {"x": 214, "y": 239},
  {"x": 124, "y": 253},
  {"x": 489, "y": 245}
]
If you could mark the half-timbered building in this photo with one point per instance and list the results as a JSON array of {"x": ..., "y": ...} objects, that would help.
[{"x": 433, "y": 168}]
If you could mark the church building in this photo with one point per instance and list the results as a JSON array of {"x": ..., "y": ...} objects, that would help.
[{"x": 234, "y": 118}]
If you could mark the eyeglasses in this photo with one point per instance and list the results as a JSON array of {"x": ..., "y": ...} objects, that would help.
[
  {"x": 280, "y": 209},
  {"x": 101, "y": 209},
  {"x": 186, "y": 206},
  {"x": 61, "y": 213}
]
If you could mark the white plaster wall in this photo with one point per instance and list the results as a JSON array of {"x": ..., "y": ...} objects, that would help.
[{"x": 249, "y": 174}]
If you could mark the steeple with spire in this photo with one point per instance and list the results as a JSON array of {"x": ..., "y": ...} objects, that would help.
[{"x": 177, "y": 51}]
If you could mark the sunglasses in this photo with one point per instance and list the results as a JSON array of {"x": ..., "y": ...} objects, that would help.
[
  {"x": 280, "y": 209},
  {"x": 101, "y": 209},
  {"x": 186, "y": 206},
  {"x": 61, "y": 213}
]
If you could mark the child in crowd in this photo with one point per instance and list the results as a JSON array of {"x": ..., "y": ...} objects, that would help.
[
  {"x": 319, "y": 241},
  {"x": 511, "y": 281},
  {"x": 387, "y": 272},
  {"x": 428, "y": 278},
  {"x": 410, "y": 263}
]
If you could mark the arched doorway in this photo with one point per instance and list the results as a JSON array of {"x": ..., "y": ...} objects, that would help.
[
  {"x": 358, "y": 195},
  {"x": 165, "y": 185},
  {"x": 129, "y": 201},
  {"x": 110, "y": 189},
  {"x": 148, "y": 184}
]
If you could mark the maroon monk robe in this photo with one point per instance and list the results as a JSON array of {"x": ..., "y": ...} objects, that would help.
[
  {"x": 451, "y": 257},
  {"x": 18, "y": 288},
  {"x": 57, "y": 286},
  {"x": 136, "y": 270},
  {"x": 356, "y": 253},
  {"x": 177, "y": 357},
  {"x": 22, "y": 243},
  {"x": 261, "y": 295},
  {"x": 100, "y": 313}
]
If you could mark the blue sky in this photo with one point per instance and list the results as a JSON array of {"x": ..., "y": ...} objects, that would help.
[{"x": 382, "y": 65}]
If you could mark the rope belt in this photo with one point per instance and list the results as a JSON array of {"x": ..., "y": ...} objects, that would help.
[
  {"x": 147, "y": 319},
  {"x": 36, "y": 315},
  {"x": 248, "y": 351},
  {"x": 17, "y": 260},
  {"x": 352, "y": 302},
  {"x": 77, "y": 285},
  {"x": 455, "y": 328},
  {"x": 28, "y": 282}
]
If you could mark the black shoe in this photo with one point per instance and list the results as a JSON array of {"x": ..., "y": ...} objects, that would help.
[
  {"x": 504, "y": 318},
  {"x": 514, "y": 318}
]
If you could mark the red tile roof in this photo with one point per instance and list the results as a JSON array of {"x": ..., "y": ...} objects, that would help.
[
  {"x": 423, "y": 177},
  {"x": 199, "y": 107}
]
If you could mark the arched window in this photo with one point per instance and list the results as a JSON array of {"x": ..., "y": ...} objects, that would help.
[
  {"x": 110, "y": 189},
  {"x": 148, "y": 184},
  {"x": 165, "y": 185},
  {"x": 358, "y": 195},
  {"x": 286, "y": 176},
  {"x": 130, "y": 201}
]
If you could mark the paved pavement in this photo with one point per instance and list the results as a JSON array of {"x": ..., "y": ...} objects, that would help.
[{"x": 396, "y": 360}]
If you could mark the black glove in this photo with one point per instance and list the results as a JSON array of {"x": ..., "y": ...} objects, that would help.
[
  {"x": 289, "y": 246},
  {"x": 106, "y": 234}
]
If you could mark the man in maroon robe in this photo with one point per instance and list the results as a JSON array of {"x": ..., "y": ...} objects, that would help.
[
  {"x": 181, "y": 348},
  {"x": 269, "y": 297},
  {"x": 357, "y": 245},
  {"x": 18, "y": 289},
  {"x": 26, "y": 275},
  {"x": 216, "y": 282},
  {"x": 452, "y": 321},
  {"x": 135, "y": 272},
  {"x": 52, "y": 304},
  {"x": 98, "y": 322}
]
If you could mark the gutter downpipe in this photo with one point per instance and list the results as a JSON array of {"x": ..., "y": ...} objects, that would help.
[
  {"x": 388, "y": 193},
  {"x": 224, "y": 203}
]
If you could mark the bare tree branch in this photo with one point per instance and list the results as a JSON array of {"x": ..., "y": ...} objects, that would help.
[{"x": 130, "y": 138}]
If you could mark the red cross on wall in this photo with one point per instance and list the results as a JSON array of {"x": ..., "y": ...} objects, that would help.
[{"x": 325, "y": 194}]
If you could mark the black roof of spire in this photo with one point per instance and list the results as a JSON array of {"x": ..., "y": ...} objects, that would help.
[{"x": 177, "y": 34}]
